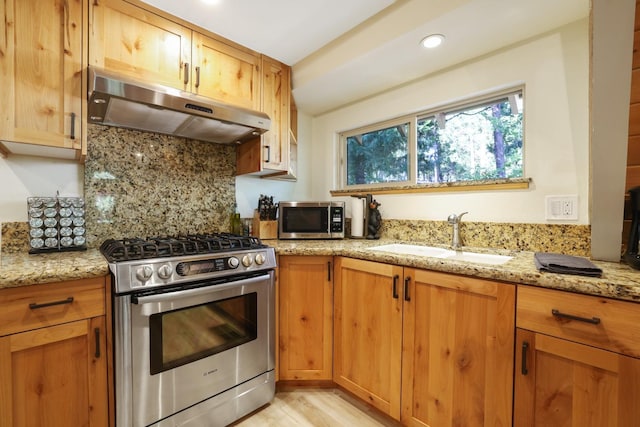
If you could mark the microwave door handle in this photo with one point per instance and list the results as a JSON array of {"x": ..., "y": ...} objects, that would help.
[{"x": 173, "y": 296}]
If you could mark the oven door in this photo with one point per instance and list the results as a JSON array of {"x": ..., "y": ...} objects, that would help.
[{"x": 189, "y": 345}]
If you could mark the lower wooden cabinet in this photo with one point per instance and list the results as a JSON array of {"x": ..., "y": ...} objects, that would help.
[
  {"x": 563, "y": 383},
  {"x": 426, "y": 348},
  {"x": 305, "y": 289},
  {"x": 55, "y": 373},
  {"x": 576, "y": 361}
]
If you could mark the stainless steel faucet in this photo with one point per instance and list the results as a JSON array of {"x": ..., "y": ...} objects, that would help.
[{"x": 454, "y": 220}]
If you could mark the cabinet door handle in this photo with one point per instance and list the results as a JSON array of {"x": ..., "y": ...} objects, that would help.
[
  {"x": 73, "y": 125},
  {"x": 407, "y": 280},
  {"x": 35, "y": 306},
  {"x": 558, "y": 313},
  {"x": 96, "y": 331},
  {"x": 186, "y": 72},
  {"x": 268, "y": 156},
  {"x": 329, "y": 271},
  {"x": 395, "y": 286},
  {"x": 197, "y": 76},
  {"x": 525, "y": 349}
]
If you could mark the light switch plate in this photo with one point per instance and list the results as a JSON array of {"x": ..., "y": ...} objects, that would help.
[{"x": 561, "y": 208}]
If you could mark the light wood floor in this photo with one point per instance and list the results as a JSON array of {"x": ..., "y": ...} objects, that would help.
[{"x": 315, "y": 408}]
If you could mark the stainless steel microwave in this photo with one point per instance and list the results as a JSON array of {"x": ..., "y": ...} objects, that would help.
[{"x": 311, "y": 220}]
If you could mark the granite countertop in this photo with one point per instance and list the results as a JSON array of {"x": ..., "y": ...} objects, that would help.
[
  {"x": 22, "y": 269},
  {"x": 618, "y": 280}
]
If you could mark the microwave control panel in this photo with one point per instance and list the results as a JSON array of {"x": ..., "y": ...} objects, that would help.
[{"x": 337, "y": 219}]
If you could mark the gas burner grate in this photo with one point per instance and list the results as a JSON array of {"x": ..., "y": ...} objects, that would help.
[{"x": 172, "y": 246}]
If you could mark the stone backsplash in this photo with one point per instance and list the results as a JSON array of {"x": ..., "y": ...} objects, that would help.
[
  {"x": 567, "y": 239},
  {"x": 140, "y": 184}
]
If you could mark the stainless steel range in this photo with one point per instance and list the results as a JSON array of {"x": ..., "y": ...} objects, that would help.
[{"x": 193, "y": 329}]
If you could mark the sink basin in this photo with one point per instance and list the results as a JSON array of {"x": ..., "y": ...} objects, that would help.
[{"x": 434, "y": 252}]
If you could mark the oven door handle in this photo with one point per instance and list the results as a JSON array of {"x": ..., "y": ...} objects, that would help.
[{"x": 172, "y": 296}]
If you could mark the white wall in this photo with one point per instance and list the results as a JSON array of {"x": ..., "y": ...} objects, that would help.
[
  {"x": 555, "y": 71},
  {"x": 24, "y": 176}
]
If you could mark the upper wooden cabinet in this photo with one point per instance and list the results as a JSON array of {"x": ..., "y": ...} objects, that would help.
[
  {"x": 226, "y": 73},
  {"x": 138, "y": 43},
  {"x": 43, "y": 86},
  {"x": 427, "y": 348},
  {"x": 269, "y": 154}
]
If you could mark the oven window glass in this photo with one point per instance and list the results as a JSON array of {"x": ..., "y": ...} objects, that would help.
[
  {"x": 305, "y": 220},
  {"x": 183, "y": 336}
]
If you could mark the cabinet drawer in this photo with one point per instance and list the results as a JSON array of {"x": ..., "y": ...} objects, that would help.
[
  {"x": 601, "y": 322},
  {"x": 37, "y": 306}
]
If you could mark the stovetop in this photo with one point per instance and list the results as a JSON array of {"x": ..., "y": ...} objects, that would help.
[
  {"x": 152, "y": 263},
  {"x": 175, "y": 246}
]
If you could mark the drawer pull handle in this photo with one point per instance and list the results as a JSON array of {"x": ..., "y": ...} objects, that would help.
[
  {"x": 523, "y": 368},
  {"x": 97, "y": 333},
  {"x": 593, "y": 320},
  {"x": 395, "y": 286},
  {"x": 34, "y": 306}
]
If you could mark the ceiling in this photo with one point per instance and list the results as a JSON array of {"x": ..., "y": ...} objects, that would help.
[{"x": 344, "y": 51}]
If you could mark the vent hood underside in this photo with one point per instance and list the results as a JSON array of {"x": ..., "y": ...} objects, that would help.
[{"x": 123, "y": 102}]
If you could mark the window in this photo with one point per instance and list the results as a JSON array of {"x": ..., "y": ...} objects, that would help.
[{"x": 475, "y": 141}]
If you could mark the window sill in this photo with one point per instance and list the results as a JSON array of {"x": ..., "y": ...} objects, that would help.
[{"x": 486, "y": 185}]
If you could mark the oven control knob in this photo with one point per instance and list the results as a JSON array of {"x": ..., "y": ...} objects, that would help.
[
  {"x": 144, "y": 273},
  {"x": 260, "y": 259},
  {"x": 164, "y": 272},
  {"x": 247, "y": 260},
  {"x": 233, "y": 262}
]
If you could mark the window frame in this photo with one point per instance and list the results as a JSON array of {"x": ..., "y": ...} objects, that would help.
[{"x": 413, "y": 119}]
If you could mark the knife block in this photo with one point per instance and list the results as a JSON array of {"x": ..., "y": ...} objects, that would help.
[{"x": 264, "y": 229}]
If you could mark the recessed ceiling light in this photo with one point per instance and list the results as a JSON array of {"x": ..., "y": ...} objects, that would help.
[
  {"x": 210, "y": 1},
  {"x": 432, "y": 40}
]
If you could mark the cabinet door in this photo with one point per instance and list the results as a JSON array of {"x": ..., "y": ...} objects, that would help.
[
  {"x": 135, "y": 42},
  {"x": 563, "y": 383},
  {"x": 368, "y": 332},
  {"x": 55, "y": 376},
  {"x": 275, "y": 103},
  {"x": 306, "y": 317},
  {"x": 226, "y": 73},
  {"x": 457, "y": 365},
  {"x": 41, "y": 64}
]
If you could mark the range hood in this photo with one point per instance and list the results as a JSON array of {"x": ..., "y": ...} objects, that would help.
[{"x": 115, "y": 100}]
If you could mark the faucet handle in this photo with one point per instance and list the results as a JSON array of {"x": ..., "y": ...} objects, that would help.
[{"x": 454, "y": 219}]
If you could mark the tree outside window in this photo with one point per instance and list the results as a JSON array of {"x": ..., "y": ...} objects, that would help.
[{"x": 473, "y": 142}]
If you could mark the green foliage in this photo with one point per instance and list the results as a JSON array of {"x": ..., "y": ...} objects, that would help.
[
  {"x": 378, "y": 156},
  {"x": 478, "y": 143}
]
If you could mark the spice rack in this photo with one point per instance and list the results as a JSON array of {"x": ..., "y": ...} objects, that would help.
[{"x": 56, "y": 224}]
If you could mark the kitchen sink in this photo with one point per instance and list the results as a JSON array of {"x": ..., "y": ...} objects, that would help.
[{"x": 434, "y": 252}]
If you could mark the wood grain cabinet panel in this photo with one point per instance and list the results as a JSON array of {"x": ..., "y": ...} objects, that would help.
[
  {"x": 306, "y": 317},
  {"x": 226, "y": 73},
  {"x": 42, "y": 64},
  {"x": 426, "y": 348},
  {"x": 270, "y": 154},
  {"x": 55, "y": 373},
  {"x": 577, "y": 361},
  {"x": 141, "y": 44},
  {"x": 562, "y": 383}
]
